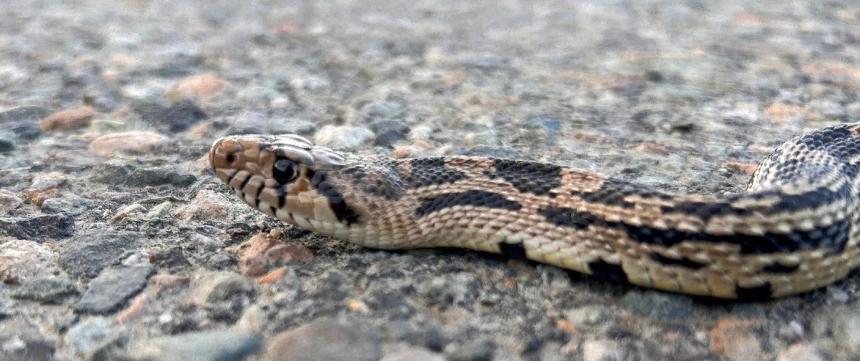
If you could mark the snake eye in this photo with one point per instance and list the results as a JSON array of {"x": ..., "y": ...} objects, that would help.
[{"x": 284, "y": 171}]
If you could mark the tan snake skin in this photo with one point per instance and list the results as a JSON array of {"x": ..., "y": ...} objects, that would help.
[{"x": 795, "y": 229}]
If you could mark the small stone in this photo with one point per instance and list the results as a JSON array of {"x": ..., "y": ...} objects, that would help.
[
  {"x": 326, "y": 340},
  {"x": 164, "y": 282},
  {"x": 801, "y": 352},
  {"x": 21, "y": 340},
  {"x": 487, "y": 137},
  {"x": 382, "y": 110},
  {"x": 87, "y": 254},
  {"x": 405, "y": 352},
  {"x": 68, "y": 119},
  {"x": 110, "y": 172},
  {"x": 196, "y": 87},
  {"x": 89, "y": 334},
  {"x": 343, "y": 137},
  {"x": 657, "y": 305},
  {"x": 219, "y": 287},
  {"x": 588, "y": 316},
  {"x": 22, "y": 260},
  {"x": 602, "y": 350},
  {"x": 46, "y": 289},
  {"x": 389, "y": 132},
  {"x": 113, "y": 287},
  {"x": 471, "y": 350},
  {"x": 454, "y": 289},
  {"x": 741, "y": 167},
  {"x": 69, "y": 204},
  {"x": 39, "y": 228},
  {"x": 22, "y": 121},
  {"x": 828, "y": 109},
  {"x": 134, "y": 142},
  {"x": 502, "y": 152},
  {"x": 734, "y": 339},
  {"x": 216, "y": 345},
  {"x": 170, "y": 257},
  {"x": 420, "y": 133},
  {"x": 44, "y": 186}
]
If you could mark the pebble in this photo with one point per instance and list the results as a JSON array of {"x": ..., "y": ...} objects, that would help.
[
  {"x": 588, "y": 316},
  {"x": 657, "y": 305},
  {"x": 602, "y": 350},
  {"x": 21, "y": 340},
  {"x": 343, "y": 137},
  {"x": 382, "y": 110},
  {"x": 326, "y": 340},
  {"x": 841, "y": 322},
  {"x": 221, "y": 286},
  {"x": 88, "y": 335},
  {"x": 455, "y": 289},
  {"x": 22, "y": 121},
  {"x": 734, "y": 339},
  {"x": 502, "y": 152},
  {"x": 405, "y": 352},
  {"x": 389, "y": 132},
  {"x": 87, "y": 254},
  {"x": 44, "y": 186},
  {"x": 420, "y": 132},
  {"x": 263, "y": 252},
  {"x": 39, "y": 228},
  {"x": 215, "y": 345},
  {"x": 133, "y": 142},
  {"x": 110, "y": 172},
  {"x": 801, "y": 352},
  {"x": 195, "y": 87},
  {"x": 68, "y": 119},
  {"x": 113, "y": 287},
  {"x": 52, "y": 289},
  {"x": 782, "y": 113},
  {"x": 69, "y": 204},
  {"x": 23, "y": 260}
]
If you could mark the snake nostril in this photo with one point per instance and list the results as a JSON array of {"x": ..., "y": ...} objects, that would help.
[{"x": 231, "y": 157}]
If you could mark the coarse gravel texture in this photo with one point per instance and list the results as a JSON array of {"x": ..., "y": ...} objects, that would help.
[{"x": 116, "y": 242}]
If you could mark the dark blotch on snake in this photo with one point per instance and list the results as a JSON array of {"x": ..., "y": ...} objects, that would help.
[
  {"x": 513, "y": 250},
  {"x": 682, "y": 262},
  {"x": 430, "y": 171},
  {"x": 757, "y": 293},
  {"x": 834, "y": 236},
  {"x": 607, "y": 271},
  {"x": 468, "y": 198},
  {"x": 527, "y": 177},
  {"x": 342, "y": 211},
  {"x": 777, "y": 267}
]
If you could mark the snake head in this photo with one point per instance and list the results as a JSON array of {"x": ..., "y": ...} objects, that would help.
[{"x": 282, "y": 176}]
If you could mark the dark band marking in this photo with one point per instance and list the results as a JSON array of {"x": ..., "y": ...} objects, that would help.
[
  {"x": 282, "y": 196},
  {"x": 614, "y": 192},
  {"x": 468, "y": 198},
  {"x": 342, "y": 211},
  {"x": 244, "y": 183},
  {"x": 757, "y": 293},
  {"x": 513, "y": 250},
  {"x": 527, "y": 177},
  {"x": 379, "y": 183},
  {"x": 777, "y": 267},
  {"x": 431, "y": 171},
  {"x": 682, "y": 262},
  {"x": 231, "y": 176},
  {"x": 607, "y": 271},
  {"x": 834, "y": 236}
]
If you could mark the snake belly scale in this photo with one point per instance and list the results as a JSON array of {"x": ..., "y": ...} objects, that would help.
[{"x": 794, "y": 229}]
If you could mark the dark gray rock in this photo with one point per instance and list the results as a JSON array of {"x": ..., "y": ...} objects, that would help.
[
  {"x": 21, "y": 340},
  {"x": 217, "y": 345},
  {"x": 23, "y": 121},
  {"x": 156, "y": 176},
  {"x": 218, "y": 287},
  {"x": 177, "y": 117},
  {"x": 113, "y": 287},
  {"x": 68, "y": 204},
  {"x": 46, "y": 289},
  {"x": 87, "y": 254},
  {"x": 38, "y": 228},
  {"x": 326, "y": 340},
  {"x": 110, "y": 172},
  {"x": 8, "y": 141},
  {"x": 375, "y": 111},
  {"x": 460, "y": 289},
  {"x": 89, "y": 335}
]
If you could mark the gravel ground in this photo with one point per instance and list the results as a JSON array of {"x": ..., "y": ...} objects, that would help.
[{"x": 117, "y": 243}]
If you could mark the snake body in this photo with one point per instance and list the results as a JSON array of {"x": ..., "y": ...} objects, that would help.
[{"x": 794, "y": 229}]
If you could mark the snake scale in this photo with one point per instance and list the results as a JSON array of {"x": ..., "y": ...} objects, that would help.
[{"x": 794, "y": 229}]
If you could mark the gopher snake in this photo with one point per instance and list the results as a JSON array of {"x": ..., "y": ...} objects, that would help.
[{"x": 792, "y": 231}]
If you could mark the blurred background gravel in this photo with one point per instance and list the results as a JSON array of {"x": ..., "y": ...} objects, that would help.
[{"x": 117, "y": 243}]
